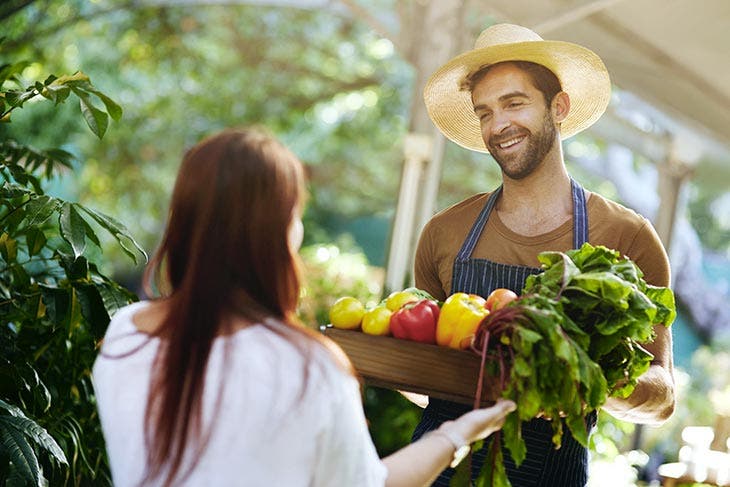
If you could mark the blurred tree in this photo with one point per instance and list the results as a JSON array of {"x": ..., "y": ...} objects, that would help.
[{"x": 332, "y": 89}]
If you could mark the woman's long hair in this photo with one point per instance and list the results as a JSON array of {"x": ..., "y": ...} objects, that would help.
[{"x": 224, "y": 253}]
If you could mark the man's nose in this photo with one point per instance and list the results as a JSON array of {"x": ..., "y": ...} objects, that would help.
[{"x": 500, "y": 121}]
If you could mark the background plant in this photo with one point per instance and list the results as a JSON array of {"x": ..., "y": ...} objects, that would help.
[{"x": 55, "y": 305}]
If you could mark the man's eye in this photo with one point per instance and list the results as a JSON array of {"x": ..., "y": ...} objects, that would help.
[{"x": 514, "y": 104}]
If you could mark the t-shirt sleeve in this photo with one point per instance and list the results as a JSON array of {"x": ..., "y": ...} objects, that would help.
[
  {"x": 425, "y": 268},
  {"x": 648, "y": 253},
  {"x": 346, "y": 454}
]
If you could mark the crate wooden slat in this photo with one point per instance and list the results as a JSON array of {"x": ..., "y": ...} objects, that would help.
[{"x": 392, "y": 363}]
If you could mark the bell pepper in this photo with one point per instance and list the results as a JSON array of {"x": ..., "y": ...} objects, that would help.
[
  {"x": 460, "y": 316},
  {"x": 416, "y": 321}
]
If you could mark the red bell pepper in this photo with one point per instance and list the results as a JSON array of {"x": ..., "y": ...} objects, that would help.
[{"x": 416, "y": 321}]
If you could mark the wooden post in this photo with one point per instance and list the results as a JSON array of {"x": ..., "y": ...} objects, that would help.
[{"x": 434, "y": 37}]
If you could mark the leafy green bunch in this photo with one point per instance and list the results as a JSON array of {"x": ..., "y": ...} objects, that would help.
[
  {"x": 568, "y": 343},
  {"x": 606, "y": 295}
]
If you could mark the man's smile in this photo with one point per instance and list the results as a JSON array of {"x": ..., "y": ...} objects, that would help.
[
  {"x": 511, "y": 142},
  {"x": 508, "y": 144}
]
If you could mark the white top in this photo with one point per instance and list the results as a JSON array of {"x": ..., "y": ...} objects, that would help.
[{"x": 263, "y": 433}]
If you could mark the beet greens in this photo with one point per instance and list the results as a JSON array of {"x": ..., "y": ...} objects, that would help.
[{"x": 571, "y": 340}]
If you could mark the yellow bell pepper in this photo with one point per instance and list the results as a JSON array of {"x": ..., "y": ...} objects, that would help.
[{"x": 459, "y": 319}]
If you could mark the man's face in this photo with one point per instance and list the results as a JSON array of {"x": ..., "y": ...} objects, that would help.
[{"x": 517, "y": 126}]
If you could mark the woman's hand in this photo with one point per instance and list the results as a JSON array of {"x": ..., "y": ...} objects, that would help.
[{"x": 480, "y": 423}]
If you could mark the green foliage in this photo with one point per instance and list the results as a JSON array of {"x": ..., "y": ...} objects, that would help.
[
  {"x": 332, "y": 272},
  {"x": 330, "y": 87},
  {"x": 20, "y": 437},
  {"x": 391, "y": 419},
  {"x": 55, "y": 305}
]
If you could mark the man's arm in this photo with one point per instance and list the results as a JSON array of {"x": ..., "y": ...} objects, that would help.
[{"x": 653, "y": 401}]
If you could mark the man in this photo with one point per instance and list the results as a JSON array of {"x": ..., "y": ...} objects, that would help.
[{"x": 516, "y": 96}]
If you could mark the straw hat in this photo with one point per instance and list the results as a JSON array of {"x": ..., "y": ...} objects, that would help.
[{"x": 581, "y": 72}]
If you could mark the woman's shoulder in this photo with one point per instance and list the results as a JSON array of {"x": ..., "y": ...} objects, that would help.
[
  {"x": 122, "y": 319},
  {"x": 294, "y": 351},
  {"x": 122, "y": 334}
]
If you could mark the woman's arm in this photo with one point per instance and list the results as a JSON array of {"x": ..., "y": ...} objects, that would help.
[{"x": 421, "y": 462}]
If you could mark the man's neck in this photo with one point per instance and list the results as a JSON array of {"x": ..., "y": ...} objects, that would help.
[{"x": 538, "y": 203}]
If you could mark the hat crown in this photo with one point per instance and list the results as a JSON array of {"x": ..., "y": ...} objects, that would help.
[{"x": 505, "y": 34}]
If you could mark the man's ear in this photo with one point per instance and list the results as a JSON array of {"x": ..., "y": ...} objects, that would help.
[{"x": 560, "y": 106}]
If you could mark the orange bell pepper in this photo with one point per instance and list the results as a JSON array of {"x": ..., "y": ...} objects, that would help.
[{"x": 459, "y": 318}]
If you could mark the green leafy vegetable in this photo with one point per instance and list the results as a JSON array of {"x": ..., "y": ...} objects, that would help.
[{"x": 571, "y": 340}]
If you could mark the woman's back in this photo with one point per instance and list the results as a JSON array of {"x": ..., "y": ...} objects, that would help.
[{"x": 263, "y": 432}]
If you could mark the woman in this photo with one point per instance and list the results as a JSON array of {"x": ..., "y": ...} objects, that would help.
[{"x": 217, "y": 383}]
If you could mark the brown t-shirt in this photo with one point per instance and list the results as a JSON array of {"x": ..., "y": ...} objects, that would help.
[{"x": 609, "y": 224}]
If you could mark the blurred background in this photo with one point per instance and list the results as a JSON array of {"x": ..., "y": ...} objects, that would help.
[{"x": 339, "y": 81}]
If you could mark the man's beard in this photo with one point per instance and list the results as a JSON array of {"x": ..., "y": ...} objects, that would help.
[{"x": 524, "y": 163}]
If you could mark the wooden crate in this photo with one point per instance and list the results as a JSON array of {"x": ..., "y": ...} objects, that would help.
[{"x": 392, "y": 363}]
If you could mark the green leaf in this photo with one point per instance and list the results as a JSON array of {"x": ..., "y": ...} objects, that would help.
[
  {"x": 90, "y": 233},
  {"x": 77, "y": 268},
  {"x": 524, "y": 339},
  {"x": 93, "y": 308},
  {"x": 493, "y": 473},
  {"x": 112, "y": 108},
  {"x": 56, "y": 301},
  {"x": 36, "y": 434},
  {"x": 40, "y": 209},
  {"x": 77, "y": 77},
  {"x": 521, "y": 367},
  {"x": 577, "y": 426},
  {"x": 19, "y": 450},
  {"x": 528, "y": 404},
  {"x": 663, "y": 298},
  {"x": 8, "y": 248},
  {"x": 18, "y": 98},
  {"x": 114, "y": 298},
  {"x": 35, "y": 239},
  {"x": 512, "y": 434},
  {"x": 118, "y": 230},
  {"x": 73, "y": 228},
  {"x": 74, "y": 317},
  {"x": 96, "y": 119},
  {"x": 56, "y": 93},
  {"x": 593, "y": 381}
]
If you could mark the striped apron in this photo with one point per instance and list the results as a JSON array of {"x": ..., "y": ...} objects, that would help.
[{"x": 543, "y": 465}]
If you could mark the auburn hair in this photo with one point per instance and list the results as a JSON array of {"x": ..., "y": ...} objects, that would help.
[{"x": 224, "y": 253}]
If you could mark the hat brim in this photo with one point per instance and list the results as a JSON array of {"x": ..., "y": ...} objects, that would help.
[{"x": 582, "y": 75}]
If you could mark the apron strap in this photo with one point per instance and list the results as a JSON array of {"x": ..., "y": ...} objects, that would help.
[
  {"x": 580, "y": 214},
  {"x": 476, "y": 230}
]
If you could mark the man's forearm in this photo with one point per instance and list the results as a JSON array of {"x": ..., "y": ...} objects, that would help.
[{"x": 652, "y": 402}]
